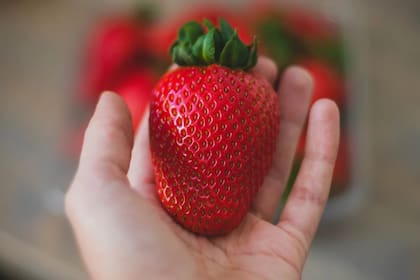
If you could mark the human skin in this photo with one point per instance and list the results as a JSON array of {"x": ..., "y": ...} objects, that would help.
[{"x": 124, "y": 233}]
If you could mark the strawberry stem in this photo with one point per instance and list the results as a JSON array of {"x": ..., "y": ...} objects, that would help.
[{"x": 218, "y": 45}]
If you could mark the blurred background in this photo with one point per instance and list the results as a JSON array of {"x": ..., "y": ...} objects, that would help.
[{"x": 49, "y": 77}]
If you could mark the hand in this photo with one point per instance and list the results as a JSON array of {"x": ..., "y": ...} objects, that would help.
[{"x": 124, "y": 233}]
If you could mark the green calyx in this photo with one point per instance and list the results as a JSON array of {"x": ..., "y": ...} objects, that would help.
[{"x": 219, "y": 45}]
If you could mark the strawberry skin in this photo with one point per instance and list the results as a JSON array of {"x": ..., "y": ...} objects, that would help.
[{"x": 213, "y": 132}]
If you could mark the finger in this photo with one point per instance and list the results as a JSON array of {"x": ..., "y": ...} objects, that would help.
[
  {"x": 307, "y": 200},
  {"x": 140, "y": 173},
  {"x": 108, "y": 139},
  {"x": 294, "y": 95},
  {"x": 267, "y": 68}
]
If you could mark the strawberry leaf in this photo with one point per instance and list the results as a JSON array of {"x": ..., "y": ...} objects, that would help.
[
  {"x": 206, "y": 44},
  {"x": 190, "y": 32},
  {"x": 197, "y": 50},
  {"x": 212, "y": 45},
  {"x": 208, "y": 24},
  {"x": 253, "y": 54},
  {"x": 235, "y": 54},
  {"x": 181, "y": 54},
  {"x": 226, "y": 30}
]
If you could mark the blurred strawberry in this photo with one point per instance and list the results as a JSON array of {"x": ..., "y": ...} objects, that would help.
[
  {"x": 320, "y": 35},
  {"x": 327, "y": 82},
  {"x": 267, "y": 21},
  {"x": 277, "y": 42},
  {"x": 165, "y": 33},
  {"x": 136, "y": 90},
  {"x": 287, "y": 32},
  {"x": 113, "y": 46},
  {"x": 309, "y": 25}
]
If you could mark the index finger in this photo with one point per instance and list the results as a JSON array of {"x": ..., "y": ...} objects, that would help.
[{"x": 306, "y": 202}]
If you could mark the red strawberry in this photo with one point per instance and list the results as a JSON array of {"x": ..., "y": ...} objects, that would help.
[
  {"x": 136, "y": 90},
  {"x": 276, "y": 40},
  {"x": 309, "y": 25},
  {"x": 289, "y": 31},
  {"x": 213, "y": 128},
  {"x": 112, "y": 47},
  {"x": 320, "y": 35},
  {"x": 327, "y": 82}
]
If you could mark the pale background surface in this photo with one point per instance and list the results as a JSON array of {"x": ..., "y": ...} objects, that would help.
[{"x": 40, "y": 44}]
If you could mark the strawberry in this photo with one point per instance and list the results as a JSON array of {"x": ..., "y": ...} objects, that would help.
[
  {"x": 288, "y": 32},
  {"x": 136, "y": 90},
  {"x": 213, "y": 128},
  {"x": 309, "y": 25},
  {"x": 113, "y": 46},
  {"x": 277, "y": 41},
  {"x": 320, "y": 35},
  {"x": 327, "y": 82}
]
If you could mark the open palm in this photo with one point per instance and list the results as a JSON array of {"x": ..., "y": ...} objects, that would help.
[{"x": 124, "y": 233}]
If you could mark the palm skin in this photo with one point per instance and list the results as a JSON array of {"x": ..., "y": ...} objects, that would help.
[
  {"x": 256, "y": 250},
  {"x": 124, "y": 233}
]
